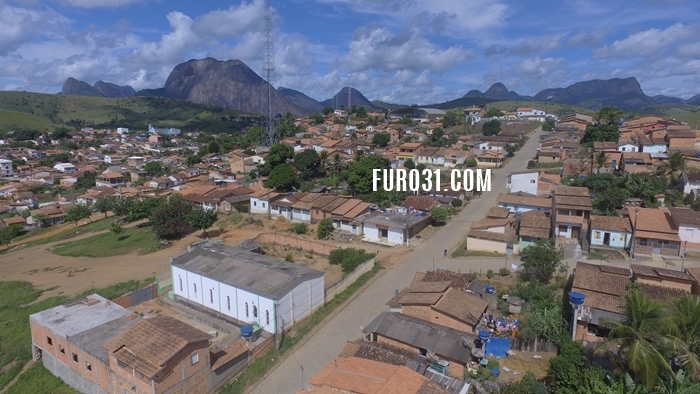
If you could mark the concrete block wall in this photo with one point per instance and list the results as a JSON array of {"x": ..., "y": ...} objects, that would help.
[
  {"x": 296, "y": 242},
  {"x": 70, "y": 377}
]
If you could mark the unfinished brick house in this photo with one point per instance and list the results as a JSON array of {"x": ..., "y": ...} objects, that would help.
[
  {"x": 571, "y": 213},
  {"x": 654, "y": 232}
]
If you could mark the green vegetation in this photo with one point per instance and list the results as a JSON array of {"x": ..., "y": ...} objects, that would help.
[
  {"x": 299, "y": 228},
  {"x": 108, "y": 244},
  {"x": 533, "y": 164},
  {"x": 349, "y": 258},
  {"x": 18, "y": 300},
  {"x": 439, "y": 215},
  {"x": 541, "y": 259},
  {"x": 255, "y": 371},
  {"x": 325, "y": 228},
  {"x": 38, "y": 379}
]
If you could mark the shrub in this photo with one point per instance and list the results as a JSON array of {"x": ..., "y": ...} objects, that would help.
[
  {"x": 490, "y": 274},
  {"x": 531, "y": 164},
  {"x": 349, "y": 258},
  {"x": 325, "y": 228},
  {"x": 242, "y": 208},
  {"x": 251, "y": 220},
  {"x": 471, "y": 163},
  {"x": 504, "y": 271},
  {"x": 456, "y": 203},
  {"x": 289, "y": 258},
  {"x": 299, "y": 228}
]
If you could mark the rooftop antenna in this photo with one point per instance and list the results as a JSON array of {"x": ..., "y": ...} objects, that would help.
[{"x": 267, "y": 120}]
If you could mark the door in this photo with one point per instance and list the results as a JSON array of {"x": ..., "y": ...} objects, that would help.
[
  {"x": 606, "y": 239},
  {"x": 575, "y": 232},
  {"x": 656, "y": 247},
  {"x": 509, "y": 249}
]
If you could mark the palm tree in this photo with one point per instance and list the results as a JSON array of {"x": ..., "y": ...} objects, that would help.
[
  {"x": 685, "y": 314},
  {"x": 600, "y": 160},
  {"x": 56, "y": 190},
  {"x": 324, "y": 160},
  {"x": 358, "y": 155},
  {"x": 639, "y": 187},
  {"x": 675, "y": 164},
  {"x": 637, "y": 342}
]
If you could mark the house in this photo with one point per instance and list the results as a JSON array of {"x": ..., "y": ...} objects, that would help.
[
  {"x": 322, "y": 207},
  {"x": 490, "y": 159},
  {"x": 66, "y": 168},
  {"x": 611, "y": 231},
  {"x": 532, "y": 114},
  {"x": 627, "y": 147},
  {"x": 519, "y": 203},
  {"x": 282, "y": 206},
  {"x": 523, "y": 181},
  {"x": 501, "y": 226},
  {"x": 571, "y": 211},
  {"x": 393, "y": 228},
  {"x": 534, "y": 225},
  {"x": 689, "y": 181},
  {"x": 247, "y": 287},
  {"x": 603, "y": 287},
  {"x": 423, "y": 337},
  {"x": 420, "y": 203},
  {"x": 361, "y": 375},
  {"x": 112, "y": 179},
  {"x": 489, "y": 241},
  {"x": 407, "y": 151},
  {"x": 654, "y": 232},
  {"x": 162, "y": 182},
  {"x": 680, "y": 281},
  {"x": 49, "y": 215},
  {"x": 6, "y": 169},
  {"x": 605, "y": 146},
  {"x": 681, "y": 139},
  {"x": 550, "y": 156},
  {"x": 688, "y": 223},
  {"x": 136, "y": 161},
  {"x": 301, "y": 210},
  {"x": 653, "y": 145}
]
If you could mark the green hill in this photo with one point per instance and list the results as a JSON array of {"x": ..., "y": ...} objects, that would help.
[
  {"x": 689, "y": 114},
  {"x": 552, "y": 108},
  {"x": 45, "y": 112}
]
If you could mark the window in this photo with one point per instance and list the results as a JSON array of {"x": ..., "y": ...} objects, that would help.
[
  {"x": 228, "y": 302},
  {"x": 255, "y": 311},
  {"x": 317, "y": 212},
  {"x": 255, "y": 203},
  {"x": 75, "y": 357},
  {"x": 180, "y": 283},
  {"x": 194, "y": 358},
  {"x": 126, "y": 391},
  {"x": 689, "y": 233},
  {"x": 246, "y": 309},
  {"x": 267, "y": 317},
  {"x": 49, "y": 341},
  {"x": 88, "y": 365},
  {"x": 195, "y": 288},
  {"x": 263, "y": 205},
  {"x": 642, "y": 242},
  {"x": 623, "y": 149},
  {"x": 211, "y": 296},
  {"x": 61, "y": 349},
  {"x": 532, "y": 181},
  {"x": 596, "y": 234},
  {"x": 563, "y": 229}
]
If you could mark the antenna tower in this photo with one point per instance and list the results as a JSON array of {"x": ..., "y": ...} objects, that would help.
[
  {"x": 349, "y": 94},
  {"x": 267, "y": 118}
]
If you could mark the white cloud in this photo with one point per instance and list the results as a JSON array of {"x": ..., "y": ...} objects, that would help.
[
  {"x": 648, "y": 42},
  {"x": 537, "y": 44},
  {"x": 172, "y": 46},
  {"x": 589, "y": 38},
  {"x": 539, "y": 67},
  {"x": 21, "y": 25},
  {"x": 234, "y": 21},
  {"x": 100, "y": 3},
  {"x": 379, "y": 49}
]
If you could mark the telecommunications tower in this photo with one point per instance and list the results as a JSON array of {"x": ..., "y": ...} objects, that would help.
[
  {"x": 267, "y": 117},
  {"x": 349, "y": 93}
]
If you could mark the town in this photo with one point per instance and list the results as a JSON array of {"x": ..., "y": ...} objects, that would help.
[{"x": 245, "y": 268}]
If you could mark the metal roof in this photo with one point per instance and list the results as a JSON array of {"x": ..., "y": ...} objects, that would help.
[
  {"x": 445, "y": 342},
  {"x": 257, "y": 273}
]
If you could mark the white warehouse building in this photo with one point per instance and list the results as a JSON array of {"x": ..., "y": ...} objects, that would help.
[{"x": 248, "y": 287}]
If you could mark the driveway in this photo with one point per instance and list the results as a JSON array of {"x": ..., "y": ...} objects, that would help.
[{"x": 325, "y": 345}]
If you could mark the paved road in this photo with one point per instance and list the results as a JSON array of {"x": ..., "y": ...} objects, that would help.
[{"x": 325, "y": 345}]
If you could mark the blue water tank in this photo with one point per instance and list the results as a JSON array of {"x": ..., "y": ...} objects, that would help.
[
  {"x": 576, "y": 298},
  {"x": 496, "y": 372},
  {"x": 484, "y": 335},
  {"x": 490, "y": 289},
  {"x": 247, "y": 331}
]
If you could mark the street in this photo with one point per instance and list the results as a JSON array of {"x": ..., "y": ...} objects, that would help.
[{"x": 325, "y": 345}]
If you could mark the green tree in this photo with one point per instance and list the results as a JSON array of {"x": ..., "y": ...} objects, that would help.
[
  {"x": 527, "y": 385},
  {"x": 361, "y": 112},
  {"x": 381, "y": 139},
  {"x": 9, "y": 233},
  {"x": 542, "y": 259},
  {"x": 143, "y": 209},
  {"x": 154, "y": 169},
  {"x": 635, "y": 342},
  {"x": 86, "y": 181},
  {"x": 674, "y": 165},
  {"x": 610, "y": 116},
  {"x": 607, "y": 201},
  {"x": 282, "y": 178},
  {"x": 78, "y": 213},
  {"x": 451, "y": 119},
  {"x": 171, "y": 219},
  {"x": 60, "y": 133},
  {"x": 360, "y": 174},
  {"x": 685, "y": 315},
  {"x": 439, "y": 215},
  {"x": 203, "y": 219},
  {"x": 549, "y": 125},
  {"x": 122, "y": 206},
  {"x": 116, "y": 228},
  {"x": 328, "y": 110},
  {"x": 600, "y": 160},
  {"x": 492, "y": 127},
  {"x": 106, "y": 204},
  {"x": 493, "y": 113},
  {"x": 325, "y": 228},
  {"x": 600, "y": 132},
  {"x": 191, "y": 160},
  {"x": 308, "y": 163},
  {"x": 317, "y": 119},
  {"x": 278, "y": 154},
  {"x": 408, "y": 163},
  {"x": 471, "y": 162}
]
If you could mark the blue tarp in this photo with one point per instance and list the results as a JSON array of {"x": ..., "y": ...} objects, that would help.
[{"x": 497, "y": 347}]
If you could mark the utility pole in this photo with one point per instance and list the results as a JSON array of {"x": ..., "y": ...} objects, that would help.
[{"x": 267, "y": 121}]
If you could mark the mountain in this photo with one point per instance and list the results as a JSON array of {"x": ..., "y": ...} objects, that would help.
[
  {"x": 695, "y": 100},
  {"x": 497, "y": 91},
  {"x": 357, "y": 100},
  {"x": 301, "y": 101},
  {"x": 625, "y": 94},
  {"x": 386, "y": 106},
  {"x": 101, "y": 89},
  {"x": 461, "y": 102},
  {"x": 229, "y": 84}
]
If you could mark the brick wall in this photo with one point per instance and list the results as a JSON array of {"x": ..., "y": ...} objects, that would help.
[
  {"x": 296, "y": 242},
  {"x": 687, "y": 143},
  {"x": 126, "y": 301}
]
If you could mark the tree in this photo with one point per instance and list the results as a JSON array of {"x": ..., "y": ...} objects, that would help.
[
  {"x": 607, "y": 201},
  {"x": 86, "y": 181},
  {"x": 492, "y": 127},
  {"x": 317, "y": 118},
  {"x": 685, "y": 315},
  {"x": 203, "y": 219},
  {"x": 541, "y": 259},
  {"x": 9, "y": 233},
  {"x": 122, "y": 206},
  {"x": 675, "y": 164},
  {"x": 493, "y": 113},
  {"x": 191, "y": 160},
  {"x": 451, "y": 119},
  {"x": 549, "y": 125},
  {"x": 360, "y": 174},
  {"x": 511, "y": 149},
  {"x": 635, "y": 342},
  {"x": 106, "y": 204},
  {"x": 308, "y": 163},
  {"x": 171, "y": 218},
  {"x": 278, "y": 154},
  {"x": 143, "y": 209},
  {"x": 78, "y": 213},
  {"x": 409, "y": 164},
  {"x": 155, "y": 169},
  {"x": 610, "y": 116},
  {"x": 600, "y": 160},
  {"x": 439, "y": 215},
  {"x": 471, "y": 162},
  {"x": 456, "y": 202},
  {"x": 282, "y": 178},
  {"x": 324, "y": 161},
  {"x": 60, "y": 133},
  {"x": 328, "y": 110},
  {"x": 600, "y": 132},
  {"x": 116, "y": 228},
  {"x": 381, "y": 139},
  {"x": 361, "y": 112},
  {"x": 325, "y": 228}
]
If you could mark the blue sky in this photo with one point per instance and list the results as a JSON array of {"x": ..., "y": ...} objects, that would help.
[{"x": 401, "y": 51}]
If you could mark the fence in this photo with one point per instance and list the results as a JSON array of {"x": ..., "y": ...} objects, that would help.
[
  {"x": 333, "y": 291},
  {"x": 296, "y": 242},
  {"x": 537, "y": 345},
  {"x": 137, "y": 297}
]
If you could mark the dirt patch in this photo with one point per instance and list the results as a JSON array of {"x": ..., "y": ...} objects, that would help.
[
  {"x": 9, "y": 366},
  {"x": 389, "y": 257},
  {"x": 523, "y": 362},
  {"x": 332, "y": 273}
]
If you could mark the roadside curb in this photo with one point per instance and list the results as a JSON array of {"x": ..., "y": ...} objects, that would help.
[{"x": 316, "y": 329}]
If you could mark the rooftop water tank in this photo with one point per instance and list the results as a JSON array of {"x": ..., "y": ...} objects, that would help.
[
  {"x": 484, "y": 335},
  {"x": 247, "y": 331},
  {"x": 576, "y": 298},
  {"x": 490, "y": 289}
]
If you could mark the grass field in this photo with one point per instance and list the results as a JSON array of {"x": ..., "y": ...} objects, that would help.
[
  {"x": 108, "y": 244},
  {"x": 17, "y": 302},
  {"x": 13, "y": 119}
]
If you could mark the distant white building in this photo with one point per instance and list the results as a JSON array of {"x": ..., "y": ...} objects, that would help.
[
  {"x": 532, "y": 114},
  {"x": 66, "y": 168},
  {"x": 6, "y": 168},
  {"x": 122, "y": 130},
  {"x": 169, "y": 131}
]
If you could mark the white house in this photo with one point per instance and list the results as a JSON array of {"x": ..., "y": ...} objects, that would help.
[
  {"x": 532, "y": 114},
  {"x": 6, "y": 168},
  {"x": 522, "y": 203},
  {"x": 259, "y": 200},
  {"x": 248, "y": 287},
  {"x": 122, "y": 130},
  {"x": 393, "y": 228},
  {"x": 688, "y": 222},
  {"x": 627, "y": 147},
  {"x": 610, "y": 231},
  {"x": 66, "y": 168},
  {"x": 689, "y": 182},
  {"x": 524, "y": 181}
]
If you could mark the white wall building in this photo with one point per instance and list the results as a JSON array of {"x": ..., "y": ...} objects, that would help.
[
  {"x": 6, "y": 168},
  {"x": 66, "y": 168},
  {"x": 525, "y": 182},
  {"x": 249, "y": 287},
  {"x": 528, "y": 113}
]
